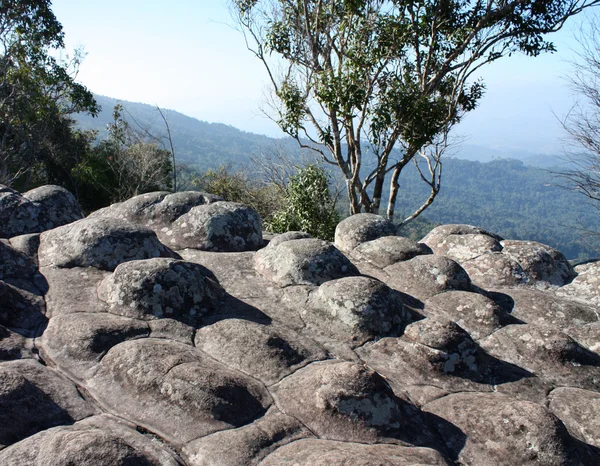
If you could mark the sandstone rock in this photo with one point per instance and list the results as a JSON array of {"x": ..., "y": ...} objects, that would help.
[
  {"x": 587, "y": 336},
  {"x": 12, "y": 345},
  {"x": 542, "y": 264},
  {"x": 426, "y": 276},
  {"x": 220, "y": 226},
  {"x": 14, "y": 264},
  {"x": 360, "y": 228},
  {"x": 502, "y": 431},
  {"x": 103, "y": 243},
  {"x": 547, "y": 353},
  {"x": 477, "y": 314},
  {"x": 246, "y": 445},
  {"x": 33, "y": 398},
  {"x": 21, "y": 309},
  {"x": 155, "y": 288},
  {"x": 495, "y": 270},
  {"x": 585, "y": 287},
  {"x": 361, "y": 307},
  {"x": 174, "y": 390},
  {"x": 537, "y": 307},
  {"x": 303, "y": 262},
  {"x": 96, "y": 441},
  {"x": 287, "y": 236},
  {"x": 326, "y": 452},
  {"x": 266, "y": 352},
  {"x": 579, "y": 410},
  {"x": 437, "y": 236},
  {"x": 37, "y": 210},
  {"x": 349, "y": 402},
  {"x": 464, "y": 247},
  {"x": 388, "y": 250}
]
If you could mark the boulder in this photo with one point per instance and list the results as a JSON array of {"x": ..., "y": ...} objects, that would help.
[
  {"x": 103, "y": 243},
  {"x": 579, "y": 410},
  {"x": 220, "y": 226},
  {"x": 388, "y": 250},
  {"x": 161, "y": 287},
  {"x": 495, "y": 270},
  {"x": 303, "y": 262},
  {"x": 15, "y": 264},
  {"x": 585, "y": 287},
  {"x": 360, "y": 228},
  {"x": 436, "y": 237},
  {"x": 464, "y": 247},
  {"x": 426, "y": 276}
]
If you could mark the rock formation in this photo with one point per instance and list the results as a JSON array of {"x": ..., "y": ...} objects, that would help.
[{"x": 165, "y": 331}]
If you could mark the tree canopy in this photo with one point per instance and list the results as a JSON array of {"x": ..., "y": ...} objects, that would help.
[{"x": 357, "y": 76}]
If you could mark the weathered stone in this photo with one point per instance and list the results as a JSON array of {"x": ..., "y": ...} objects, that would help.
[
  {"x": 349, "y": 402},
  {"x": 477, "y": 314},
  {"x": 37, "y": 210},
  {"x": 388, "y": 250},
  {"x": 585, "y": 287},
  {"x": 75, "y": 343},
  {"x": 579, "y": 410},
  {"x": 266, "y": 352},
  {"x": 361, "y": 307},
  {"x": 495, "y": 270},
  {"x": 303, "y": 262},
  {"x": 96, "y": 441},
  {"x": 326, "y": 452},
  {"x": 12, "y": 345},
  {"x": 287, "y": 236},
  {"x": 587, "y": 336},
  {"x": 156, "y": 288},
  {"x": 464, "y": 247},
  {"x": 543, "y": 265},
  {"x": 437, "y": 236},
  {"x": 103, "y": 243},
  {"x": 502, "y": 431},
  {"x": 33, "y": 398},
  {"x": 426, "y": 276},
  {"x": 546, "y": 352},
  {"x": 174, "y": 390},
  {"x": 538, "y": 307},
  {"x": 14, "y": 264},
  {"x": 360, "y": 228},
  {"x": 220, "y": 226},
  {"x": 246, "y": 445},
  {"x": 21, "y": 309},
  {"x": 28, "y": 245}
]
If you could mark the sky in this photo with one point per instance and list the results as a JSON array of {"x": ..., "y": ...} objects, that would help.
[{"x": 185, "y": 55}]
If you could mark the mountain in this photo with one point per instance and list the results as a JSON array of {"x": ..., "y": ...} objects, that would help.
[{"x": 505, "y": 192}]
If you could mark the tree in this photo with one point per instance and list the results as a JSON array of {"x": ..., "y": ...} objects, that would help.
[
  {"x": 354, "y": 80},
  {"x": 307, "y": 205},
  {"x": 38, "y": 93},
  {"x": 582, "y": 123}
]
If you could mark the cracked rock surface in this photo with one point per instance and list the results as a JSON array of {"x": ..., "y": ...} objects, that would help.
[{"x": 153, "y": 333}]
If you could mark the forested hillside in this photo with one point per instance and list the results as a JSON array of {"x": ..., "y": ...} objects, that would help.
[{"x": 506, "y": 196}]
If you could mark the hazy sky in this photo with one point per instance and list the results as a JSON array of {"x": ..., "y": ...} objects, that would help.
[{"x": 184, "y": 55}]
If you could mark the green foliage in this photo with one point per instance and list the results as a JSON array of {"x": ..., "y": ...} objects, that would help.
[
  {"x": 236, "y": 186},
  {"x": 307, "y": 205},
  {"x": 38, "y": 95}
]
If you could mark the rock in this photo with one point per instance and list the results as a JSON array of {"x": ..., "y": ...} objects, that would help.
[
  {"x": 246, "y": 445},
  {"x": 96, "y": 441},
  {"x": 587, "y": 336},
  {"x": 12, "y": 345},
  {"x": 579, "y": 410},
  {"x": 502, "y": 431},
  {"x": 388, "y": 250},
  {"x": 33, "y": 398},
  {"x": 311, "y": 452},
  {"x": 287, "y": 236},
  {"x": 161, "y": 287},
  {"x": 28, "y": 245},
  {"x": 174, "y": 390},
  {"x": 543, "y": 265},
  {"x": 21, "y": 309},
  {"x": 220, "y": 226},
  {"x": 426, "y": 276},
  {"x": 303, "y": 262},
  {"x": 585, "y": 287},
  {"x": 537, "y": 307},
  {"x": 464, "y": 247},
  {"x": 477, "y": 314},
  {"x": 37, "y": 210},
  {"x": 348, "y": 402},
  {"x": 15, "y": 264},
  {"x": 76, "y": 343},
  {"x": 495, "y": 270},
  {"x": 360, "y": 228},
  {"x": 103, "y": 243},
  {"x": 364, "y": 308},
  {"x": 266, "y": 352},
  {"x": 436, "y": 237},
  {"x": 547, "y": 353}
]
